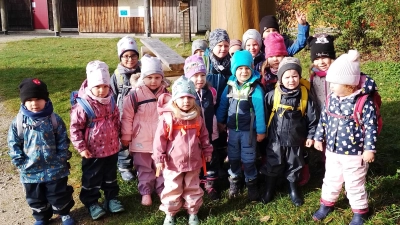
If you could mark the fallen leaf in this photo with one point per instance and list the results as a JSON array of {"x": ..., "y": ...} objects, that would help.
[{"x": 265, "y": 218}]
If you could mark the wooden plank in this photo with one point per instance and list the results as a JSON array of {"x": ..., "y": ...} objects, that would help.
[{"x": 168, "y": 56}]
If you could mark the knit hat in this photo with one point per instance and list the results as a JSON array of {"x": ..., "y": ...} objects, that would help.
[
  {"x": 216, "y": 36},
  {"x": 345, "y": 69},
  {"x": 241, "y": 58},
  {"x": 269, "y": 21},
  {"x": 183, "y": 87},
  {"x": 251, "y": 34},
  {"x": 150, "y": 65},
  {"x": 199, "y": 44},
  {"x": 97, "y": 73},
  {"x": 194, "y": 64},
  {"x": 274, "y": 45},
  {"x": 234, "y": 42},
  {"x": 321, "y": 45},
  {"x": 126, "y": 44},
  {"x": 33, "y": 88},
  {"x": 289, "y": 63}
]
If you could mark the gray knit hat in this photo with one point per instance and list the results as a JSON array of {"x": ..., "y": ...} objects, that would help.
[
  {"x": 289, "y": 63},
  {"x": 251, "y": 34},
  {"x": 150, "y": 65},
  {"x": 345, "y": 69},
  {"x": 216, "y": 36},
  {"x": 199, "y": 44},
  {"x": 183, "y": 87}
]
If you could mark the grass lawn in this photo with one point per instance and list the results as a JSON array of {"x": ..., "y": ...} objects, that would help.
[{"x": 61, "y": 63}]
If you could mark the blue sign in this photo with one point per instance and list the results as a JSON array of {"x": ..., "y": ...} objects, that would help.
[{"x": 123, "y": 12}]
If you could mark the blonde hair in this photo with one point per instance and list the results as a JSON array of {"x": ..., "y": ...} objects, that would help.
[{"x": 177, "y": 111}]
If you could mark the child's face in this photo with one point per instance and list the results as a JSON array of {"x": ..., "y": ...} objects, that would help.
[
  {"x": 268, "y": 31},
  {"x": 243, "y": 73},
  {"x": 185, "y": 103},
  {"x": 35, "y": 104},
  {"x": 322, "y": 63},
  {"x": 341, "y": 90},
  {"x": 129, "y": 59},
  {"x": 199, "y": 52},
  {"x": 274, "y": 61},
  {"x": 253, "y": 47},
  {"x": 233, "y": 49},
  {"x": 101, "y": 90},
  {"x": 290, "y": 79},
  {"x": 199, "y": 80},
  {"x": 221, "y": 49},
  {"x": 153, "y": 81}
]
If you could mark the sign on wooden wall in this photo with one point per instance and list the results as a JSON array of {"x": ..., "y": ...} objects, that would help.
[{"x": 131, "y": 8}]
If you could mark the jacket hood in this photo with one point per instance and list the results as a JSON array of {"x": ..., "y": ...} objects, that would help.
[
  {"x": 367, "y": 84},
  {"x": 163, "y": 102},
  {"x": 254, "y": 77}
]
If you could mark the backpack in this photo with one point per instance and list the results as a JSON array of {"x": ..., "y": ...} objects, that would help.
[
  {"x": 21, "y": 125},
  {"x": 88, "y": 108},
  {"x": 136, "y": 104},
  {"x": 304, "y": 88},
  {"x": 358, "y": 108}
]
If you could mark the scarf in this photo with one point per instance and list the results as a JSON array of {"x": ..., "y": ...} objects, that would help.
[
  {"x": 47, "y": 110},
  {"x": 225, "y": 62},
  {"x": 123, "y": 70},
  {"x": 318, "y": 72},
  {"x": 188, "y": 116},
  {"x": 103, "y": 101}
]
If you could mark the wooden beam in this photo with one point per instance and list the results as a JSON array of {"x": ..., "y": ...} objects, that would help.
[
  {"x": 147, "y": 18},
  {"x": 3, "y": 12},
  {"x": 56, "y": 17}
]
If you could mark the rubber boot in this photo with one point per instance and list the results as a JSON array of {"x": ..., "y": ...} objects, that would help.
[
  {"x": 295, "y": 194},
  {"x": 234, "y": 186},
  {"x": 270, "y": 189},
  {"x": 210, "y": 188},
  {"x": 252, "y": 190},
  {"x": 359, "y": 219}
]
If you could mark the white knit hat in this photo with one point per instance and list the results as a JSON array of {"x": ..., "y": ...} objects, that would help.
[
  {"x": 345, "y": 69},
  {"x": 97, "y": 73},
  {"x": 251, "y": 34},
  {"x": 150, "y": 65},
  {"x": 126, "y": 44}
]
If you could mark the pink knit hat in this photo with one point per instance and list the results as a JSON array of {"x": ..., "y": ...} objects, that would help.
[
  {"x": 97, "y": 74},
  {"x": 194, "y": 64},
  {"x": 274, "y": 45}
]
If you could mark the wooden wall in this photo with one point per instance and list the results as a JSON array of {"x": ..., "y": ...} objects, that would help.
[
  {"x": 101, "y": 16},
  {"x": 19, "y": 15}
]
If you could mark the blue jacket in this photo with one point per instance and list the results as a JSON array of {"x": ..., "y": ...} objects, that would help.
[
  {"x": 42, "y": 155},
  {"x": 294, "y": 46},
  {"x": 343, "y": 136},
  {"x": 235, "y": 110}
]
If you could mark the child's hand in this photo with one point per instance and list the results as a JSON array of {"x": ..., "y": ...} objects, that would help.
[
  {"x": 318, "y": 145},
  {"x": 86, "y": 154},
  {"x": 368, "y": 156},
  {"x": 160, "y": 166},
  {"x": 309, "y": 143},
  {"x": 221, "y": 127},
  {"x": 260, "y": 137},
  {"x": 124, "y": 143},
  {"x": 301, "y": 18},
  {"x": 207, "y": 158}
]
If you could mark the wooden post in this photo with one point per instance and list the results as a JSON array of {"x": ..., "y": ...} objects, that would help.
[
  {"x": 239, "y": 15},
  {"x": 56, "y": 17},
  {"x": 147, "y": 18},
  {"x": 3, "y": 12}
]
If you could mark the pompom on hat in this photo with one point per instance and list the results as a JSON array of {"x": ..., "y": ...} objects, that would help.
[
  {"x": 194, "y": 64},
  {"x": 33, "y": 88},
  {"x": 345, "y": 69},
  {"x": 126, "y": 44},
  {"x": 183, "y": 87},
  {"x": 97, "y": 74}
]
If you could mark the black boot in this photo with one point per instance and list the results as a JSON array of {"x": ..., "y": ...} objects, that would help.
[
  {"x": 295, "y": 194},
  {"x": 210, "y": 188},
  {"x": 252, "y": 190},
  {"x": 234, "y": 186},
  {"x": 270, "y": 190}
]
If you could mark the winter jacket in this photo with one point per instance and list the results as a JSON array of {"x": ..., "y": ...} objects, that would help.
[
  {"x": 235, "y": 111},
  {"x": 344, "y": 136},
  {"x": 319, "y": 89},
  {"x": 41, "y": 156},
  {"x": 181, "y": 152},
  {"x": 139, "y": 128},
  {"x": 258, "y": 61},
  {"x": 290, "y": 127},
  {"x": 102, "y": 139},
  {"x": 269, "y": 80},
  {"x": 206, "y": 99}
]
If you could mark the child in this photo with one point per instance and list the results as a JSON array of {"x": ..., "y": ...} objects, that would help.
[
  {"x": 45, "y": 183},
  {"x": 349, "y": 147},
  {"x": 269, "y": 24},
  {"x": 292, "y": 123},
  {"x": 234, "y": 45},
  {"x": 242, "y": 110},
  {"x": 98, "y": 145},
  {"x": 139, "y": 123},
  {"x": 199, "y": 47},
  {"x": 129, "y": 64},
  {"x": 180, "y": 142},
  {"x": 322, "y": 55},
  {"x": 252, "y": 42},
  {"x": 206, "y": 95}
]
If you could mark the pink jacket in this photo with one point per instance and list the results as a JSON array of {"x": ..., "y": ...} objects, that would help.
[
  {"x": 181, "y": 152},
  {"x": 140, "y": 128},
  {"x": 102, "y": 139}
]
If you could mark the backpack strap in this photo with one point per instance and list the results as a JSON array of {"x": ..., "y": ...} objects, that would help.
[
  {"x": 20, "y": 129},
  {"x": 303, "y": 99},
  {"x": 333, "y": 114},
  {"x": 277, "y": 100},
  {"x": 120, "y": 80},
  {"x": 89, "y": 111},
  {"x": 136, "y": 104},
  {"x": 358, "y": 108}
]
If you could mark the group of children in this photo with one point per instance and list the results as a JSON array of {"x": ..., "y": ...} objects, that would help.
[{"x": 236, "y": 100}]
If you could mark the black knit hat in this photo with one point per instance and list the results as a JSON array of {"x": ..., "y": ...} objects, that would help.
[
  {"x": 33, "y": 88},
  {"x": 269, "y": 21},
  {"x": 321, "y": 45}
]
